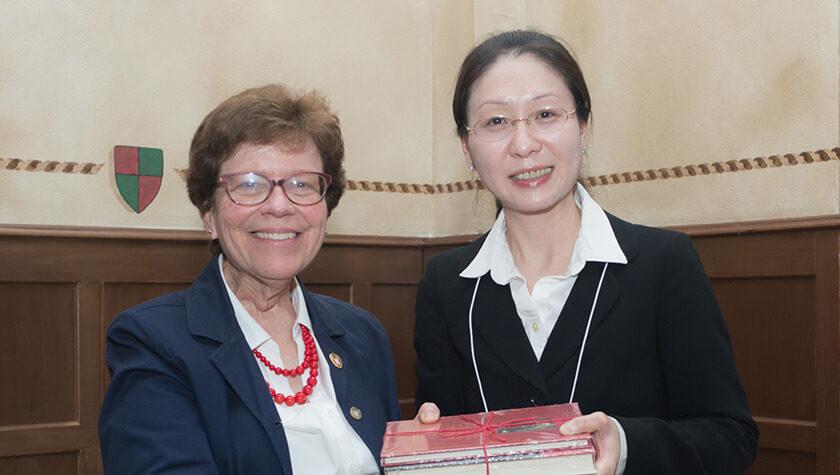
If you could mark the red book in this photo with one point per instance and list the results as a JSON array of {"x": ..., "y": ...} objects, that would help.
[{"x": 515, "y": 441}]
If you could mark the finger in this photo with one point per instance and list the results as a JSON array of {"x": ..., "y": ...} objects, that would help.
[
  {"x": 428, "y": 413},
  {"x": 595, "y": 422}
]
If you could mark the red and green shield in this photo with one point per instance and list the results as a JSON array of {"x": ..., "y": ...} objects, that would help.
[{"x": 138, "y": 171}]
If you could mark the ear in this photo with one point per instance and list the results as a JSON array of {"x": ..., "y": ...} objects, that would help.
[
  {"x": 467, "y": 157},
  {"x": 209, "y": 223},
  {"x": 584, "y": 129}
]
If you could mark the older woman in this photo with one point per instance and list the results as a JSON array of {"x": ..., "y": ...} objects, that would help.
[
  {"x": 247, "y": 372},
  {"x": 561, "y": 301}
]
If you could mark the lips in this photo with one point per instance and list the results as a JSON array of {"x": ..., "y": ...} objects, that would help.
[
  {"x": 276, "y": 236},
  {"x": 531, "y": 174}
]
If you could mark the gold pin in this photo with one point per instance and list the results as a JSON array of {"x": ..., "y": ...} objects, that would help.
[
  {"x": 355, "y": 413},
  {"x": 336, "y": 360}
]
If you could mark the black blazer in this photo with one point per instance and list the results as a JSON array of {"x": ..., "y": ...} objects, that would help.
[{"x": 658, "y": 356}]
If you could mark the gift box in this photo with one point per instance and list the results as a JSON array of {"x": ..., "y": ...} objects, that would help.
[{"x": 513, "y": 441}]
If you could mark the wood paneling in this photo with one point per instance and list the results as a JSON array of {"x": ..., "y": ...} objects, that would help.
[
  {"x": 46, "y": 463},
  {"x": 393, "y": 304},
  {"x": 58, "y": 293},
  {"x": 339, "y": 291},
  {"x": 785, "y": 462},
  {"x": 765, "y": 314},
  {"x": 42, "y": 338},
  {"x": 827, "y": 350},
  {"x": 779, "y": 292},
  {"x": 777, "y": 284}
]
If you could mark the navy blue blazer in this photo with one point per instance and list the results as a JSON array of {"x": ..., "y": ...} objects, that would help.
[
  {"x": 186, "y": 394},
  {"x": 658, "y": 356}
]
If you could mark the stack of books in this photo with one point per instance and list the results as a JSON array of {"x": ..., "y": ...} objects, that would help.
[{"x": 514, "y": 441}]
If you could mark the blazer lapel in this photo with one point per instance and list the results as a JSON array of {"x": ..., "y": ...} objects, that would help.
[
  {"x": 234, "y": 361},
  {"x": 563, "y": 346},
  {"x": 326, "y": 333},
  {"x": 210, "y": 315},
  {"x": 496, "y": 322}
]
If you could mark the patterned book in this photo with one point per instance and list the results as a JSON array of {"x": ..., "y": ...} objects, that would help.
[{"x": 513, "y": 441}]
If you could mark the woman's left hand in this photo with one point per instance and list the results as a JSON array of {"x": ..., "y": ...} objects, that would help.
[{"x": 604, "y": 435}]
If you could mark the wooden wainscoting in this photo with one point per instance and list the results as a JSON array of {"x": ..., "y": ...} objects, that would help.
[
  {"x": 60, "y": 289},
  {"x": 777, "y": 283},
  {"x": 778, "y": 286}
]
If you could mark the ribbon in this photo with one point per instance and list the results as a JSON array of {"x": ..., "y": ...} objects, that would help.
[{"x": 486, "y": 429}]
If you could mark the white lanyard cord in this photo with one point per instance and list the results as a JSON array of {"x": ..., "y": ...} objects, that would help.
[
  {"x": 582, "y": 345},
  {"x": 472, "y": 347},
  {"x": 586, "y": 332}
]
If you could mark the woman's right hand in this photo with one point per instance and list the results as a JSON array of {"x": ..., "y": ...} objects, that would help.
[
  {"x": 428, "y": 413},
  {"x": 605, "y": 436}
]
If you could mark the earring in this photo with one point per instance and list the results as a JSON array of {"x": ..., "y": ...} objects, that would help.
[
  {"x": 472, "y": 167},
  {"x": 209, "y": 232},
  {"x": 583, "y": 151}
]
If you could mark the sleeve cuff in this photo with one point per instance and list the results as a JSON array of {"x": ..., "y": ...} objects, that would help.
[{"x": 622, "y": 456}]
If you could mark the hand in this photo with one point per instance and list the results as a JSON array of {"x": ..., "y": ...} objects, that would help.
[
  {"x": 604, "y": 435},
  {"x": 428, "y": 413}
]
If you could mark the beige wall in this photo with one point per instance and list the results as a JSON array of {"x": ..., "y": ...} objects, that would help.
[{"x": 673, "y": 84}]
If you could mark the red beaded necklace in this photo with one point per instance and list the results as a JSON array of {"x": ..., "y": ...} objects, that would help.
[{"x": 310, "y": 361}]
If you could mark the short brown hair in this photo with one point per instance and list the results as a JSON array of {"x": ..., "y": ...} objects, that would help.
[{"x": 263, "y": 116}]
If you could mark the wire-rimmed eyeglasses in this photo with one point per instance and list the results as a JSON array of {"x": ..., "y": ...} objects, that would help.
[
  {"x": 250, "y": 189},
  {"x": 499, "y": 127}
]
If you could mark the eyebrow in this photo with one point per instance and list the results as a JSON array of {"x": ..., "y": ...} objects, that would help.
[{"x": 505, "y": 103}]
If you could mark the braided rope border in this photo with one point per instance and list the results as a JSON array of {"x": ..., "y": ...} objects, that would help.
[
  {"x": 379, "y": 186},
  {"x": 385, "y": 187},
  {"x": 744, "y": 164},
  {"x": 730, "y": 166},
  {"x": 50, "y": 166}
]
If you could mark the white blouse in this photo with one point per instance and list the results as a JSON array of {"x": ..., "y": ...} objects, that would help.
[
  {"x": 540, "y": 309},
  {"x": 321, "y": 441}
]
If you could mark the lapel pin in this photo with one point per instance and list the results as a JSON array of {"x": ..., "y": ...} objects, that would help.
[{"x": 336, "y": 360}]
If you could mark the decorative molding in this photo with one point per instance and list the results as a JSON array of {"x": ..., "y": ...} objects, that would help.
[
  {"x": 50, "y": 166},
  {"x": 153, "y": 234},
  {"x": 387, "y": 187},
  {"x": 729, "y": 166},
  {"x": 425, "y": 189},
  {"x": 695, "y": 230},
  {"x": 744, "y": 164},
  {"x": 831, "y": 221}
]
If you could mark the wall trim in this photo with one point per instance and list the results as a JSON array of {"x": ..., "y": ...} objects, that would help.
[
  {"x": 50, "y": 166},
  {"x": 741, "y": 227},
  {"x": 680, "y": 171},
  {"x": 729, "y": 166}
]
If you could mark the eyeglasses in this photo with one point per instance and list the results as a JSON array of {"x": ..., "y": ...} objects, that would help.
[
  {"x": 498, "y": 127},
  {"x": 250, "y": 189}
]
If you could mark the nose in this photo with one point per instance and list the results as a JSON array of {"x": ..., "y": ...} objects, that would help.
[
  {"x": 277, "y": 203},
  {"x": 523, "y": 143}
]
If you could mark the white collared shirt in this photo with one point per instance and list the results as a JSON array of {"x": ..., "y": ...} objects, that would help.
[
  {"x": 539, "y": 310},
  {"x": 321, "y": 441}
]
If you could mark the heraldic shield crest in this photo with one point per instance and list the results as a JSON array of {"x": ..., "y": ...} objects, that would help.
[{"x": 138, "y": 172}]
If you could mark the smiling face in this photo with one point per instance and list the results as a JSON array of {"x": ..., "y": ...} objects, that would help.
[
  {"x": 528, "y": 172},
  {"x": 268, "y": 244}
]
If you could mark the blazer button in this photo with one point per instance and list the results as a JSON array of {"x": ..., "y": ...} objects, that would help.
[
  {"x": 336, "y": 360},
  {"x": 355, "y": 413}
]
